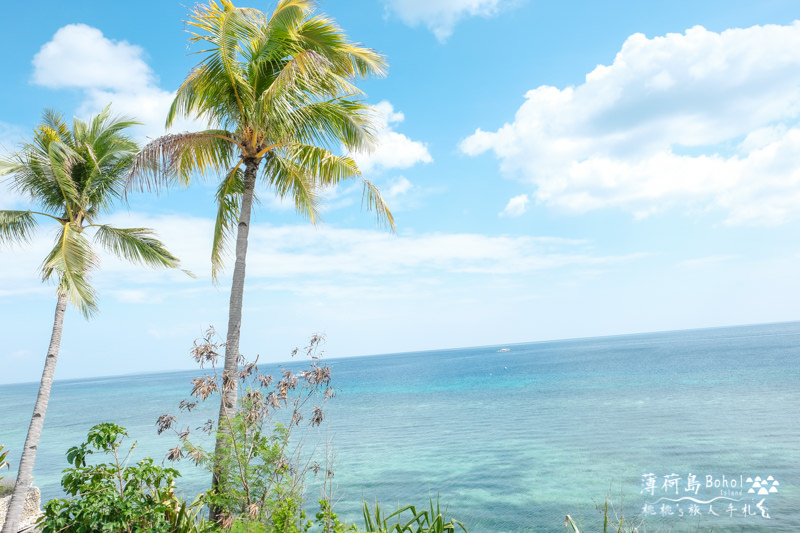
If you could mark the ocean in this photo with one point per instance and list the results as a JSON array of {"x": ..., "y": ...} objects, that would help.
[{"x": 680, "y": 431}]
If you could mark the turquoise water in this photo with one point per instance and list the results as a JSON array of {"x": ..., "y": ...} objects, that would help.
[{"x": 514, "y": 441}]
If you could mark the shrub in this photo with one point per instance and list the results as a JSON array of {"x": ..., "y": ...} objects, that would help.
[
  {"x": 110, "y": 496},
  {"x": 264, "y": 474}
]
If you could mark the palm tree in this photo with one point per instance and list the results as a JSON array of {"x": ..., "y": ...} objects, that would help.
[
  {"x": 73, "y": 176},
  {"x": 278, "y": 90}
]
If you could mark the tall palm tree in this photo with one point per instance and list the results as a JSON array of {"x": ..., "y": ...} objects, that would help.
[
  {"x": 73, "y": 176},
  {"x": 278, "y": 90}
]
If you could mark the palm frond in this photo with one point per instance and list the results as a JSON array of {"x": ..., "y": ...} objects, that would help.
[
  {"x": 299, "y": 72},
  {"x": 223, "y": 26},
  {"x": 302, "y": 170},
  {"x": 323, "y": 167},
  {"x": 71, "y": 260},
  {"x": 372, "y": 197},
  {"x": 179, "y": 156},
  {"x": 42, "y": 170},
  {"x": 53, "y": 120},
  {"x": 108, "y": 154},
  {"x": 62, "y": 158},
  {"x": 16, "y": 226},
  {"x": 137, "y": 245},
  {"x": 288, "y": 177},
  {"x": 335, "y": 122},
  {"x": 229, "y": 202},
  {"x": 351, "y": 60},
  {"x": 288, "y": 14}
]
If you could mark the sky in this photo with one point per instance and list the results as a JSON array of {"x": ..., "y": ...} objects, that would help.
[{"x": 556, "y": 170}]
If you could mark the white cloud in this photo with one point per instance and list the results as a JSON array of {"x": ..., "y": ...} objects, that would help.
[
  {"x": 393, "y": 149},
  {"x": 80, "y": 56},
  {"x": 516, "y": 206},
  {"x": 441, "y": 16},
  {"x": 399, "y": 186},
  {"x": 701, "y": 120},
  {"x": 304, "y": 252},
  {"x": 290, "y": 251},
  {"x": 107, "y": 71}
]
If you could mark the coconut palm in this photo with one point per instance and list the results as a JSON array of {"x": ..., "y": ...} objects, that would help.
[
  {"x": 277, "y": 89},
  {"x": 73, "y": 176}
]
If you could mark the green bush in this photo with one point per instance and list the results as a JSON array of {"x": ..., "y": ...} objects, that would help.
[{"x": 112, "y": 496}]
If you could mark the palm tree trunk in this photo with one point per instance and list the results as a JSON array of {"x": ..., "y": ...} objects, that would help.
[
  {"x": 230, "y": 382},
  {"x": 23, "y": 482}
]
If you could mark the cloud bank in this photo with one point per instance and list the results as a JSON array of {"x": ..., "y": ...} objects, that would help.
[{"x": 700, "y": 120}]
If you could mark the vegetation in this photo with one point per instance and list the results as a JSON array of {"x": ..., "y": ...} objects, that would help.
[
  {"x": 265, "y": 491},
  {"x": 616, "y": 524},
  {"x": 74, "y": 176},
  {"x": 277, "y": 88},
  {"x": 408, "y": 520},
  {"x": 3, "y": 455},
  {"x": 265, "y": 473},
  {"x": 111, "y": 496}
]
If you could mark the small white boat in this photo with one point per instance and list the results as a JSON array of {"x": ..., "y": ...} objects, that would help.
[{"x": 504, "y": 350}]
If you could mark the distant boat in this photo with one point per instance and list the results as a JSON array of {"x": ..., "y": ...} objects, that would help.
[{"x": 504, "y": 350}]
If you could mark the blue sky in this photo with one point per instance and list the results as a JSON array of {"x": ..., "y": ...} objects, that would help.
[{"x": 556, "y": 169}]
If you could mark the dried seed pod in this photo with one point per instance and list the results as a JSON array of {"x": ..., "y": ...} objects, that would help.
[{"x": 164, "y": 423}]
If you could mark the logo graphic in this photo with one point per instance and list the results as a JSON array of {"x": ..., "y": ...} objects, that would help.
[
  {"x": 737, "y": 496},
  {"x": 760, "y": 485}
]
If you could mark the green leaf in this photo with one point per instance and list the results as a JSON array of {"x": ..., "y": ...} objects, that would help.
[
  {"x": 137, "y": 245},
  {"x": 71, "y": 260},
  {"x": 229, "y": 201},
  {"x": 16, "y": 226}
]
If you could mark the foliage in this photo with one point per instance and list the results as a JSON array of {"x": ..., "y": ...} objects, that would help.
[
  {"x": 617, "y": 522},
  {"x": 112, "y": 496},
  {"x": 3, "y": 455},
  {"x": 74, "y": 175},
  {"x": 278, "y": 90},
  {"x": 329, "y": 522},
  {"x": 266, "y": 475},
  {"x": 408, "y": 520}
]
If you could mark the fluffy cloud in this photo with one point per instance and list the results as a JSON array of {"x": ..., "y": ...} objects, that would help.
[
  {"x": 393, "y": 149},
  {"x": 441, "y": 16},
  {"x": 80, "y": 56},
  {"x": 107, "y": 71},
  {"x": 701, "y": 120},
  {"x": 516, "y": 206}
]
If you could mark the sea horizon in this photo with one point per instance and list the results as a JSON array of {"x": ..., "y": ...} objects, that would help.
[{"x": 432, "y": 350}]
